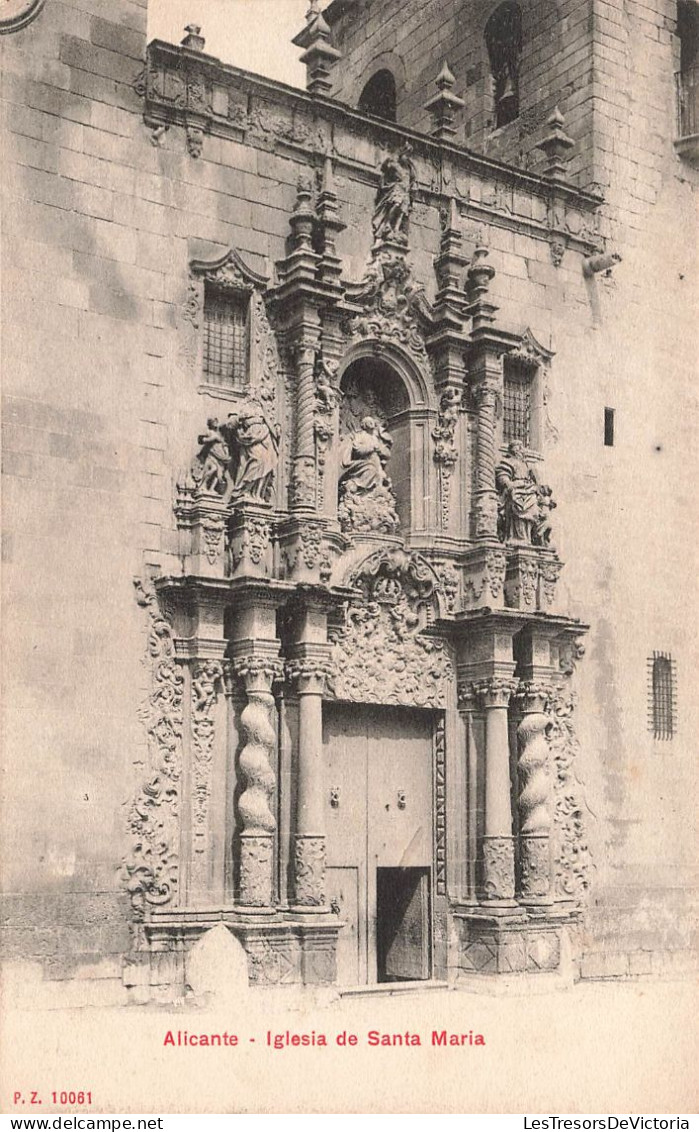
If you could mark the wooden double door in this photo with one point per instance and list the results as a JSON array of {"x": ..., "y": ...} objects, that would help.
[{"x": 379, "y": 824}]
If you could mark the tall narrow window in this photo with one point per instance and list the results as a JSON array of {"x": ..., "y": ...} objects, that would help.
[
  {"x": 662, "y": 714},
  {"x": 225, "y": 356},
  {"x": 688, "y": 75},
  {"x": 503, "y": 37},
  {"x": 609, "y": 428},
  {"x": 517, "y": 405},
  {"x": 379, "y": 96}
]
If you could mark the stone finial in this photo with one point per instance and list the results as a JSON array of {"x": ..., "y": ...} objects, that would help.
[
  {"x": 444, "y": 106},
  {"x": 194, "y": 40},
  {"x": 479, "y": 276},
  {"x": 301, "y": 219},
  {"x": 319, "y": 54},
  {"x": 556, "y": 145}
]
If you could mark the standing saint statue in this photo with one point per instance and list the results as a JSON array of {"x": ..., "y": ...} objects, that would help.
[
  {"x": 517, "y": 484},
  {"x": 394, "y": 198},
  {"x": 255, "y": 448}
]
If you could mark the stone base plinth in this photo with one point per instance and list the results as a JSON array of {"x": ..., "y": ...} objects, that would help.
[
  {"x": 281, "y": 950},
  {"x": 515, "y": 944}
]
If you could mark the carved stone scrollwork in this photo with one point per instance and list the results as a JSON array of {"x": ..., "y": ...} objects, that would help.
[
  {"x": 151, "y": 869},
  {"x": 573, "y": 862},
  {"x": 206, "y": 677},
  {"x": 249, "y": 541},
  {"x": 448, "y": 584},
  {"x": 381, "y": 656},
  {"x": 495, "y": 566},
  {"x": 445, "y": 452},
  {"x": 393, "y": 305},
  {"x": 309, "y": 870},
  {"x": 257, "y": 820}
]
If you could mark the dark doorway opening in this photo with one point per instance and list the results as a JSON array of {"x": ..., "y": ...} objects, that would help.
[{"x": 402, "y": 924}]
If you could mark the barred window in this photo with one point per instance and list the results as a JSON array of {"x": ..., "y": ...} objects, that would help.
[
  {"x": 517, "y": 406},
  {"x": 225, "y": 338},
  {"x": 662, "y": 707}
]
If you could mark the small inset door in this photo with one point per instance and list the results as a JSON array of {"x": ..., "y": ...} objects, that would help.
[
  {"x": 379, "y": 799},
  {"x": 402, "y": 925}
]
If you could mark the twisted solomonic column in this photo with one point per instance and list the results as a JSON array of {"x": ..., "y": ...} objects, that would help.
[
  {"x": 303, "y": 485},
  {"x": 258, "y": 780},
  {"x": 534, "y": 798},
  {"x": 485, "y": 394}
]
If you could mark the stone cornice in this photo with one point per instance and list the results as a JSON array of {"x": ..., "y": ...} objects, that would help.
[{"x": 317, "y": 111}]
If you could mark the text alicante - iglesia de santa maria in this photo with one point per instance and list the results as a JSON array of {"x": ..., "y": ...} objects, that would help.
[{"x": 290, "y": 1039}]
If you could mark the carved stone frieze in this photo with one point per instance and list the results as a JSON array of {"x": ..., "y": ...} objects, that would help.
[
  {"x": 381, "y": 654},
  {"x": 151, "y": 868}
]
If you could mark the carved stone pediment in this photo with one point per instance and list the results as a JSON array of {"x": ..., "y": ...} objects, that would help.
[
  {"x": 381, "y": 655},
  {"x": 395, "y": 308},
  {"x": 229, "y": 272}
]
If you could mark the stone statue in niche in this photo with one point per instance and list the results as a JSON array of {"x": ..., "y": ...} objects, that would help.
[
  {"x": 237, "y": 460},
  {"x": 394, "y": 198},
  {"x": 516, "y": 481},
  {"x": 366, "y": 499}
]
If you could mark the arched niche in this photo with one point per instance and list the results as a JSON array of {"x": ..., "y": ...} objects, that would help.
[
  {"x": 379, "y": 96},
  {"x": 375, "y": 403}
]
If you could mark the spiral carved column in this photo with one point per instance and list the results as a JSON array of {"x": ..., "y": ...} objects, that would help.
[
  {"x": 255, "y": 804},
  {"x": 486, "y": 495},
  {"x": 533, "y": 802},
  {"x": 304, "y": 472}
]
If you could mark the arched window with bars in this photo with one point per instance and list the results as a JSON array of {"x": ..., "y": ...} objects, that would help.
[{"x": 662, "y": 698}]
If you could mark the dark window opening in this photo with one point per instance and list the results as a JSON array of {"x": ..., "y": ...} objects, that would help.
[
  {"x": 662, "y": 695},
  {"x": 379, "y": 96},
  {"x": 609, "y": 428},
  {"x": 225, "y": 356},
  {"x": 688, "y": 76},
  {"x": 503, "y": 37},
  {"x": 517, "y": 405}
]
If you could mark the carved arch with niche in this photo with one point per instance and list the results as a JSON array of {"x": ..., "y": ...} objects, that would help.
[{"x": 379, "y": 379}]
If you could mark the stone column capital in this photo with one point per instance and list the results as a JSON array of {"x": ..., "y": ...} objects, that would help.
[
  {"x": 532, "y": 696},
  {"x": 256, "y": 672},
  {"x": 309, "y": 673},
  {"x": 492, "y": 692}
]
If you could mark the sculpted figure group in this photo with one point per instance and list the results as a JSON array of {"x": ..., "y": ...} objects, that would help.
[
  {"x": 525, "y": 504},
  {"x": 237, "y": 459}
]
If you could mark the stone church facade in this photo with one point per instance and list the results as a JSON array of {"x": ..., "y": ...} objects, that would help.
[{"x": 347, "y": 510}]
